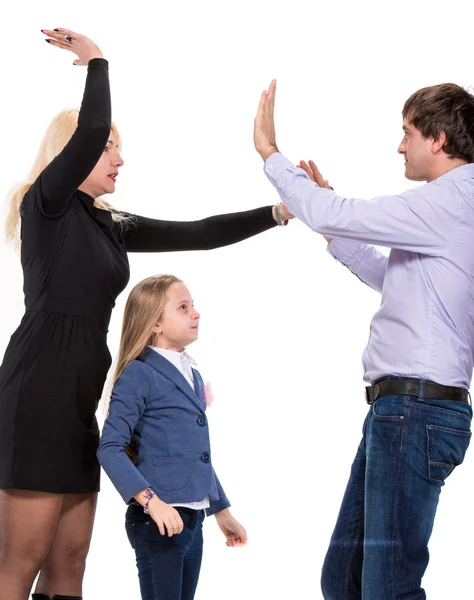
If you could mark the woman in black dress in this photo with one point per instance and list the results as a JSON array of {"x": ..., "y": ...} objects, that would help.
[{"x": 74, "y": 258}]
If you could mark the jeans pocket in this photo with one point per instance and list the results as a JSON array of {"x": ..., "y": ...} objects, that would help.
[
  {"x": 389, "y": 408},
  {"x": 130, "y": 530},
  {"x": 446, "y": 450}
]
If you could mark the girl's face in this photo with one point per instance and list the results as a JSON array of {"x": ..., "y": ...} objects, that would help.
[
  {"x": 179, "y": 325},
  {"x": 101, "y": 179}
]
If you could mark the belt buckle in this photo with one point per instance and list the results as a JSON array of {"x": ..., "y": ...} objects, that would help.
[{"x": 368, "y": 395}]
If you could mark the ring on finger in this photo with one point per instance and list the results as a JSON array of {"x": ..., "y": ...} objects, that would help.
[{"x": 68, "y": 38}]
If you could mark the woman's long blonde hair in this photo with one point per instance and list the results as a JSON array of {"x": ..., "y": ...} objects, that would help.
[{"x": 57, "y": 135}]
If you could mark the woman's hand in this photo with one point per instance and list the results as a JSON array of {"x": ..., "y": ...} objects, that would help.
[
  {"x": 78, "y": 44},
  {"x": 234, "y": 532},
  {"x": 284, "y": 213},
  {"x": 314, "y": 174},
  {"x": 165, "y": 516}
]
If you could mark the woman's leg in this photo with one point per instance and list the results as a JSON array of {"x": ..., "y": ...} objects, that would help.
[
  {"x": 63, "y": 570},
  {"x": 28, "y": 522}
]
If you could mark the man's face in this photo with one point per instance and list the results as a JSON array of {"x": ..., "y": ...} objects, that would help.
[{"x": 417, "y": 151}]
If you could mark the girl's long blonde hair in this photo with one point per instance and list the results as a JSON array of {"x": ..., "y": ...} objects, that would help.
[
  {"x": 57, "y": 135},
  {"x": 143, "y": 311}
]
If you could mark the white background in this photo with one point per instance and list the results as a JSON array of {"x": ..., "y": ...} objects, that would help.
[{"x": 283, "y": 324}]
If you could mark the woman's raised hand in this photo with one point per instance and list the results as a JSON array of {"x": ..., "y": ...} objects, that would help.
[{"x": 78, "y": 44}]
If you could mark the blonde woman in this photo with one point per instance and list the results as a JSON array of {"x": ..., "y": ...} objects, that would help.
[
  {"x": 74, "y": 257},
  {"x": 158, "y": 407}
]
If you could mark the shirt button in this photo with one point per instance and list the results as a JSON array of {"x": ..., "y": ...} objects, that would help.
[
  {"x": 205, "y": 457},
  {"x": 201, "y": 421}
]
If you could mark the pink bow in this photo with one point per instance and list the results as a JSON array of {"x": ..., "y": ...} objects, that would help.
[{"x": 208, "y": 395}]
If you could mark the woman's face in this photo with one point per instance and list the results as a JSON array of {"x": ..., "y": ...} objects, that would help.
[{"x": 102, "y": 178}]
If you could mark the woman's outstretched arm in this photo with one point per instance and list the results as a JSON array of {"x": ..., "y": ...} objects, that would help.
[{"x": 154, "y": 235}]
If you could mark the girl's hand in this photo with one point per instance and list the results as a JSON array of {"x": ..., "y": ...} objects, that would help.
[
  {"x": 165, "y": 516},
  {"x": 314, "y": 174},
  {"x": 231, "y": 528},
  {"x": 82, "y": 46}
]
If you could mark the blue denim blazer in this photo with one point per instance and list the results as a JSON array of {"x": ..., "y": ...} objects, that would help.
[{"x": 154, "y": 406}]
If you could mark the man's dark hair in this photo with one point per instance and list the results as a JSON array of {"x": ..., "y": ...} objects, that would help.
[{"x": 446, "y": 107}]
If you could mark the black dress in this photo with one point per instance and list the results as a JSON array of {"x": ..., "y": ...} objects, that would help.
[{"x": 74, "y": 259}]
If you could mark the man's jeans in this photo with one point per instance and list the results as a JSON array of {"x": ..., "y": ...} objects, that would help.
[
  {"x": 378, "y": 550},
  {"x": 168, "y": 567}
]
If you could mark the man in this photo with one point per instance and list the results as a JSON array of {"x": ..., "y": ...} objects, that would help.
[{"x": 419, "y": 357}]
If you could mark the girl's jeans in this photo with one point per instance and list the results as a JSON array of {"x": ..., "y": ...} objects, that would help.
[{"x": 168, "y": 567}]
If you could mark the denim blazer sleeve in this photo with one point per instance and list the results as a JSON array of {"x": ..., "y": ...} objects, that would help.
[
  {"x": 222, "y": 503},
  {"x": 126, "y": 407}
]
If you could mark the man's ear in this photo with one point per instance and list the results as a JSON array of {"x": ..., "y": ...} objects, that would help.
[{"x": 438, "y": 144}]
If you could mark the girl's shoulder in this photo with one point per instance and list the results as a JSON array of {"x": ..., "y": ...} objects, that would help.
[
  {"x": 137, "y": 368},
  {"x": 137, "y": 377},
  {"x": 140, "y": 370}
]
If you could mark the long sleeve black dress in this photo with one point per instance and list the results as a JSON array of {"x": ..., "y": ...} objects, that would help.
[{"x": 74, "y": 259}]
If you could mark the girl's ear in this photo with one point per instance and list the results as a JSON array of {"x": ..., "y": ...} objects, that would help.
[{"x": 157, "y": 329}]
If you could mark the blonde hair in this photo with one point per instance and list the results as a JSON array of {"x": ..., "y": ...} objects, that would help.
[
  {"x": 143, "y": 310},
  {"x": 57, "y": 135}
]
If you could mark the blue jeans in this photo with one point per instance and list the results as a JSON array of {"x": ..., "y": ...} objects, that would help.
[
  {"x": 379, "y": 548},
  {"x": 168, "y": 567}
]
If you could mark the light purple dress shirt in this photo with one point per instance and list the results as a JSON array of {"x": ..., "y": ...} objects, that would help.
[{"x": 425, "y": 325}]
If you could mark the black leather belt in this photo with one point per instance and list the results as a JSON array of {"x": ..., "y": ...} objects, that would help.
[{"x": 414, "y": 387}]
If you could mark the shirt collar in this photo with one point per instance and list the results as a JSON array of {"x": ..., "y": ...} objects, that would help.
[
  {"x": 174, "y": 357},
  {"x": 459, "y": 173}
]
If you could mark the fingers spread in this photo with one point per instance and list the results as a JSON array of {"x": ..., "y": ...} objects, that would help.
[
  {"x": 303, "y": 165},
  {"x": 318, "y": 178}
]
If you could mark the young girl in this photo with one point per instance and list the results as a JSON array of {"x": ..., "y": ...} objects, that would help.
[{"x": 155, "y": 442}]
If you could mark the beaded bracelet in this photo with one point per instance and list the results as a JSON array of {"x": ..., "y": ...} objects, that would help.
[{"x": 149, "y": 493}]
